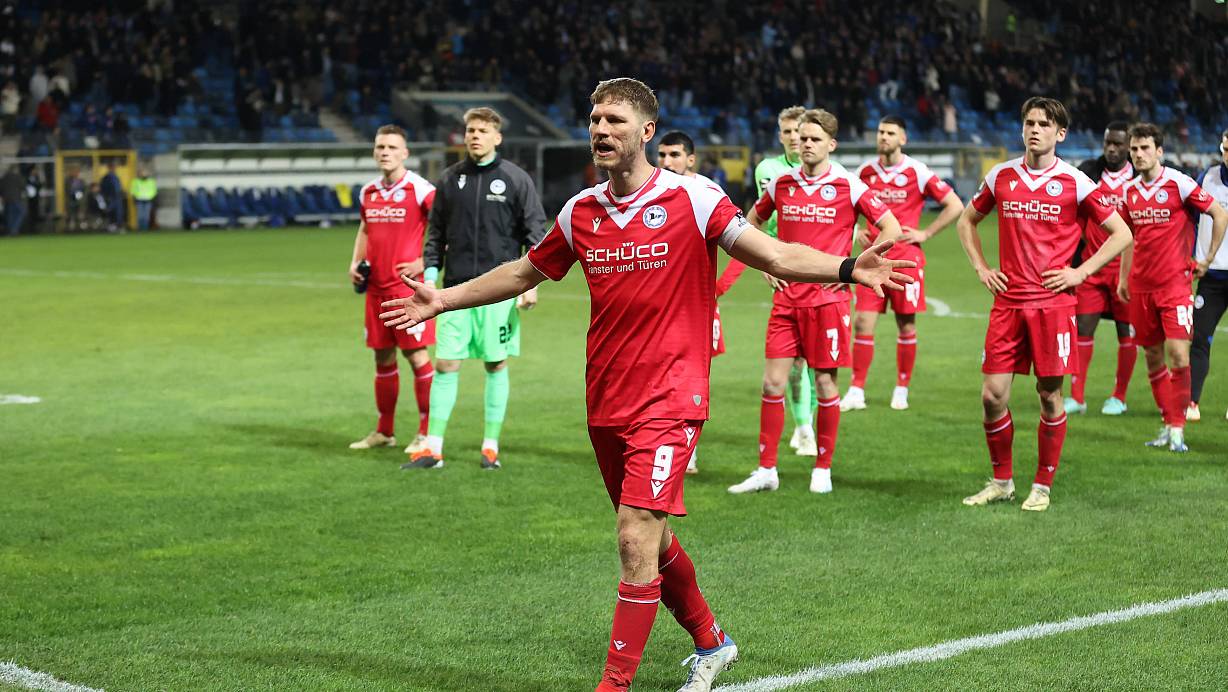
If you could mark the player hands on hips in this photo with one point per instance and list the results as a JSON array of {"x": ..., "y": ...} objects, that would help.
[
  {"x": 903, "y": 184},
  {"x": 393, "y": 210},
  {"x": 816, "y": 205},
  {"x": 1163, "y": 205},
  {"x": 642, "y": 433},
  {"x": 1041, "y": 201}
]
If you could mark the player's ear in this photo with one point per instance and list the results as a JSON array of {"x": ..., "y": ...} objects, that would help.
[
  {"x": 649, "y": 131},
  {"x": 498, "y": 137},
  {"x": 1061, "y": 134}
]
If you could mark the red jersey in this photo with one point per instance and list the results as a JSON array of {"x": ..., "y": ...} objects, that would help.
[
  {"x": 1112, "y": 187},
  {"x": 903, "y": 188},
  {"x": 1163, "y": 215},
  {"x": 650, "y": 262},
  {"x": 396, "y": 220},
  {"x": 1040, "y": 218},
  {"x": 819, "y": 212}
]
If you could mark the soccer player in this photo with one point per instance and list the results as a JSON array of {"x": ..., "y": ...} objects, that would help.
[
  {"x": 646, "y": 242},
  {"x": 816, "y": 205},
  {"x": 393, "y": 210},
  {"x": 1041, "y": 202},
  {"x": 799, "y": 396},
  {"x": 1097, "y": 296},
  {"x": 1212, "y": 298},
  {"x": 1163, "y": 204},
  {"x": 902, "y": 183},
  {"x": 676, "y": 154},
  {"x": 487, "y": 212}
]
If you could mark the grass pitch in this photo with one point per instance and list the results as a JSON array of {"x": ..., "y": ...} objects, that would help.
[{"x": 181, "y": 511}]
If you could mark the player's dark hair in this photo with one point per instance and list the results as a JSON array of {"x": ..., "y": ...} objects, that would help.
[
  {"x": 678, "y": 138},
  {"x": 632, "y": 92},
  {"x": 392, "y": 130},
  {"x": 1117, "y": 126},
  {"x": 822, "y": 118},
  {"x": 894, "y": 120},
  {"x": 1145, "y": 130},
  {"x": 1052, "y": 108}
]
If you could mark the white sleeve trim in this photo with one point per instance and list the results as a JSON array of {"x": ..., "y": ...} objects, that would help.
[{"x": 737, "y": 226}]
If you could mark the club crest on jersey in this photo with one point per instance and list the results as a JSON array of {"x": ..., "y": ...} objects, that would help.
[
  {"x": 1054, "y": 188},
  {"x": 498, "y": 186},
  {"x": 460, "y": 182},
  {"x": 398, "y": 196},
  {"x": 901, "y": 180},
  {"x": 655, "y": 216},
  {"x": 828, "y": 192},
  {"x": 1162, "y": 196}
]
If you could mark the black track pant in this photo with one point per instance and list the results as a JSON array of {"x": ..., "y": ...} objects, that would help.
[{"x": 1209, "y": 306}]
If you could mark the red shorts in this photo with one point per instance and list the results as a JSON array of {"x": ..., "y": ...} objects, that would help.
[
  {"x": 818, "y": 334},
  {"x": 718, "y": 335},
  {"x": 380, "y": 337},
  {"x": 1022, "y": 339},
  {"x": 643, "y": 463},
  {"x": 1160, "y": 315},
  {"x": 909, "y": 301},
  {"x": 1098, "y": 296}
]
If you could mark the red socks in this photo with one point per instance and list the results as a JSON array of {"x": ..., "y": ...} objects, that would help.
[
  {"x": 1180, "y": 392},
  {"x": 905, "y": 358},
  {"x": 423, "y": 376},
  {"x": 1078, "y": 381},
  {"x": 680, "y": 594},
  {"x": 863, "y": 355},
  {"x": 387, "y": 386},
  {"x": 1127, "y": 354},
  {"x": 1000, "y": 435},
  {"x": 1050, "y": 435},
  {"x": 771, "y": 423},
  {"x": 634, "y": 613},
  {"x": 826, "y": 425},
  {"x": 1161, "y": 390}
]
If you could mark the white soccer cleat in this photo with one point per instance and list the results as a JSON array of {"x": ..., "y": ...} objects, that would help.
[
  {"x": 1038, "y": 499},
  {"x": 899, "y": 399},
  {"x": 417, "y": 445},
  {"x": 692, "y": 466},
  {"x": 820, "y": 480},
  {"x": 759, "y": 480},
  {"x": 854, "y": 399},
  {"x": 1192, "y": 413},
  {"x": 994, "y": 491},
  {"x": 706, "y": 665},
  {"x": 1176, "y": 440},
  {"x": 374, "y": 439},
  {"x": 1072, "y": 406},
  {"x": 1161, "y": 440},
  {"x": 796, "y": 440},
  {"x": 807, "y": 446}
]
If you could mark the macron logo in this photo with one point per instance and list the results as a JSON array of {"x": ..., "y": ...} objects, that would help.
[
  {"x": 619, "y": 645},
  {"x": 596, "y": 223},
  {"x": 690, "y": 435},
  {"x": 1014, "y": 183},
  {"x": 656, "y": 488}
]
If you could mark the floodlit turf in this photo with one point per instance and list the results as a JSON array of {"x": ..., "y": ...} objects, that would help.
[{"x": 181, "y": 510}]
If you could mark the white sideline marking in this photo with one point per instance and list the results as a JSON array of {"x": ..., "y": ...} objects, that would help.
[
  {"x": 18, "y": 399},
  {"x": 13, "y": 674},
  {"x": 955, "y": 647},
  {"x": 939, "y": 308}
]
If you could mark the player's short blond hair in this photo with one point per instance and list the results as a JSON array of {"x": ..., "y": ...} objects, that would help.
[
  {"x": 391, "y": 129},
  {"x": 632, "y": 92},
  {"x": 485, "y": 114},
  {"x": 825, "y": 120},
  {"x": 791, "y": 113}
]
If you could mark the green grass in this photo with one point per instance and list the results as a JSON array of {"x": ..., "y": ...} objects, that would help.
[{"x": 181, "y": 511}]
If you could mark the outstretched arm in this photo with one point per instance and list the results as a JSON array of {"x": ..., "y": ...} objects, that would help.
[
  {"x": 505, "y": 281},
  {"x": 794, "y": 262}
]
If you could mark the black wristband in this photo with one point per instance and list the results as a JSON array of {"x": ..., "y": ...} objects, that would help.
[{"x": 846, "y": 270}]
